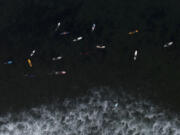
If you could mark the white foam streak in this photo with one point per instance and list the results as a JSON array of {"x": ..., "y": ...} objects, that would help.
[{"x": 95, "y": 114}]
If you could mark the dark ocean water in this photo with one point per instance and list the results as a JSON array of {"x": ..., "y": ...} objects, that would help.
[{"x": 150, "y": 82}]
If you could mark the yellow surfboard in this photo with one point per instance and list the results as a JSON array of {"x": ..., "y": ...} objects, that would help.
[
  {"x": 29, "y": 62},
  {"x": 133, "y": 32}
]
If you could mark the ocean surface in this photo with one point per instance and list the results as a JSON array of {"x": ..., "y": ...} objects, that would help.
[
  {"x": 141, "y": 69},
  {"x": 102, "y": 111}
]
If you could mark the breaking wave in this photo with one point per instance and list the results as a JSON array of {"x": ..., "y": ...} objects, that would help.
[{"x": 102, "y": 112}]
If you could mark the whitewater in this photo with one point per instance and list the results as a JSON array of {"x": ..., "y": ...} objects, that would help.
[{"x": 101, "y": 112}]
